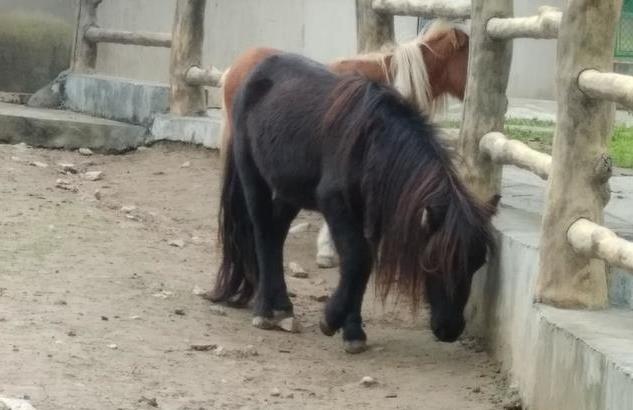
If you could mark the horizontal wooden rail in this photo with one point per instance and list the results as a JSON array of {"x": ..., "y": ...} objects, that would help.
[
  {"x": 544, "y": 25},
  {"x": 608, "y": 86},
  {"x": 201, "y": 76},
  {"x": 137, "y": 38},
  {"x": 511, "y": 152},
  {"x": 596, "y": 241},
  {"x": 456, "y": 9}
]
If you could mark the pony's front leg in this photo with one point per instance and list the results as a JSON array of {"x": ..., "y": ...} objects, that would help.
[
  {"x": 343, "y": 310},
  {"x": 326, "y": 252}
]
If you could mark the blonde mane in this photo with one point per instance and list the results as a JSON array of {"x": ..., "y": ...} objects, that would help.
[{"x": 409, "y": 74}]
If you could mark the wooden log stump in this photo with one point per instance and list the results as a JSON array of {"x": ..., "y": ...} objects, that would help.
[
  {"x": 373, "y": 30},
  {"x": 186, "y": 52},
  {"x": 581, "y": 167},
  {"x": 485, "y": 102},
  {"x": 85, "y": 51}
]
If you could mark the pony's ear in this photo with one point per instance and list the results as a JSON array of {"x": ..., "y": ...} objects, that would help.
[
  {"x": 461, "y": 38},
  {"x": 431, "y": 219}
]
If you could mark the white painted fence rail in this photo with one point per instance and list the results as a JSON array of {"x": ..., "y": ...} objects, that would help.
[
  {"x": 544, "y": 25},
  {"x": 596, "y": 241},
  {"x": 137, "y": 38},
  {"x": 608, "y": 86},
  {"x": 457, "y": 9},
  {"x": 204, "y": 76},
  {"x": 506, "y": 151}
]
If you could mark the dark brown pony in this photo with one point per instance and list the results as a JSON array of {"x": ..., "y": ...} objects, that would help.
[{"x": 363, "y": 156}]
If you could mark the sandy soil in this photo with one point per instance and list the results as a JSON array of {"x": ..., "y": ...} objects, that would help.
[{"x": 97, "y": 309}]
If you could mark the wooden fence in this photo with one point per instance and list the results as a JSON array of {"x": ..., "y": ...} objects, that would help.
[
  {"x": 575, "y": 249},
  {"x": 187, "y": 76}
]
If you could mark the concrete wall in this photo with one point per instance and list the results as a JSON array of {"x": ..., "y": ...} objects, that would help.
[{"x": 321, "y": 29}]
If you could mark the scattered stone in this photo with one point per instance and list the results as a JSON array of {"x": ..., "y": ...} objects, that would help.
[
  {"x": 290, "y": 396},
  {"x": 378, "y": 349},
  {"x": 177, "y": 243},
  {"x": 289, "y": 324},
  {"x": 297, "y": 271},
  {"x": 203, "y": 347},
  {"x": 477, "y": 389},
  {"x": 217, "y": 310},
  {"x": 163, "y": 294},
  {"x": 142, "y": 148},
  {"x": 198, "y": 291},
  {"x": 68, "y": 168},
  {"x": 186, "y": 164},
  {"x": 179, "y": 312},
  {"x": 128, "y": 209},
  {"x": 275, "y": 392},
  {"x": 38, "y": 164},
  {"x": 85, "y": 151},
  {"x": 71, "y": 333},
  {"x": 368, "y": 381},
  {"x": 149, "y": 401},
  {"x": 249, "y": 350},
  {"x": 135, "y": 317},
  {"x": 132, "y": 217},
  {"x": 17, "y": 159},
  {"x": 219, "y": 351},
  {"x": 319, "y": 298},
  {"x": 15, "y": 404},
  {"x": 299, "y": 228},
  {"x": 113, "y": 346},
  {"x": 391, "y": 396},
  {"x": 93, "y": 175},
  {"x": 97, "y": 194},
  {"x": 66, "y": 185},
  {"x": 60, "y": 302},
  {"x": 104, "y": 318}
]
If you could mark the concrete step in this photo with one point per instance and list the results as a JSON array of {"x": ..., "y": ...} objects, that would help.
[{"x": 68, "y": 130}]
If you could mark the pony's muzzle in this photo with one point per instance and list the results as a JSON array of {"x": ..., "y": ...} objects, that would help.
[{"x": 448, "y": 330}]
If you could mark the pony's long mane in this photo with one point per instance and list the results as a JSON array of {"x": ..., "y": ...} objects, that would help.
[{"x": 405, "y": 171}]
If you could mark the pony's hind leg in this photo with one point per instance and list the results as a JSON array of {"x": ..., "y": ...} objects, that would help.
[
  {"x": 343, "y": 310},
  {"x": 326, "y": 252}
]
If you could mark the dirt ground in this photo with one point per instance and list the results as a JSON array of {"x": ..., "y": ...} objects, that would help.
[{"x": 97, "y": 309}]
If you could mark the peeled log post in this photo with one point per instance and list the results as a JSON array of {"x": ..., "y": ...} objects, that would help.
[
  {"x": 502, "y": 150},
  {"x": 485, "y": 102},
  {"x": 608, "y": 86},
  {"x": 595, "y": 241},
  {"x": 186, "y": 51},
  {"x": 85, "y": 51},
  {"x": 373, "y": 30},
  {"x": 137, "y": 38},
  {"x": 454, "y": 9},
  {"x": 543, "y": 25},
  {"x": 578, "y": 183}
]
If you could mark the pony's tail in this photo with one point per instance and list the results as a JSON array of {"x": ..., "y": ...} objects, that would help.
[{"x": 238, "y": 270}]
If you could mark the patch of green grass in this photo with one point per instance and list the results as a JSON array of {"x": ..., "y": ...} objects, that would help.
[{"x": 539, "y": 135}]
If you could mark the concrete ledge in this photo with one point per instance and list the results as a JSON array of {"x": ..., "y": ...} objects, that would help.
[
  {"x": 62, "y": 129},
  {"x": 558, "y": 359},
  {"x": 136, "y": 102},
  {"x": 204, "y": 131}
]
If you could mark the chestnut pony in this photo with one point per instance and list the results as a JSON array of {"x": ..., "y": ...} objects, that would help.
[
  {"x": 359, "y": 153},
  {"x": 425, "y": 71}
]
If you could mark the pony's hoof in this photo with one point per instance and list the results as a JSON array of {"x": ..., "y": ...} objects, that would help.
[
  {"x": 326, "y": 261},
  {"x": 355, "y": 346},
  {"x": 325, "y": 329},
  {"x": 265, "y": 323}
]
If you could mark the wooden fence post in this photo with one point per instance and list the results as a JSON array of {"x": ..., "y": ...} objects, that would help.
[
  {"x": 485, "y": 102},
  {"x": 186, "y": 51},
  {"x": 581, "y": 167},
  {"x": 84, "y": 51},
  {"x": 373, "y": 30}
]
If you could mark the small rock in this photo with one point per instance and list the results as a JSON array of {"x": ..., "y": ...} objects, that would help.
[
  {"x": 368, "y": 381},
  {"x": 127, "y": 209},
  {"x": 290, "y": 396},
  {"x": 17, "y": 159},
  {"x": 65, "y": 185},
  {"x": 71, "y": 333},
  {"x": 60, "y": 302},
  {"x": 97, "y": 194},
  {"x": 85, "y": 151},
  {"x": 297, "y": 271},
  {"x": 198, "y": 291},
  {"x": 113, "y": 346},
  {"x": 477, "y": 389},
  {"x": 177, "y": 243},
  {"x": 142, "y": 148},
  {"x": 299, "y": 228},
  {"x": 217, "y": 310},
  {"x": 250, "y": 350},
  {"x": 203, "y": 347},
  {"x": 179, "y": 312},
  {"x": 104, "y": 318},
  {"x": 68, "y": 168},
  {"x": 132, "y": 217},
  {"x": 289, "y": 324},
  {"x": 135, "y": 317},
  {"x": 149, "y": 401},
  {"x": 391, "y": 396},
  {"x": 319, "y": 298},
  {"x": 93, "y": 175},
  {"x": 38, "y": 164},
  {"x": 219, "y": 351},
  {"x": 186, "y": 164},
  {"x": 275, "y": 392},
  {"x": 163, "y": 294},
  {"x": 15, "y": 404}
]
